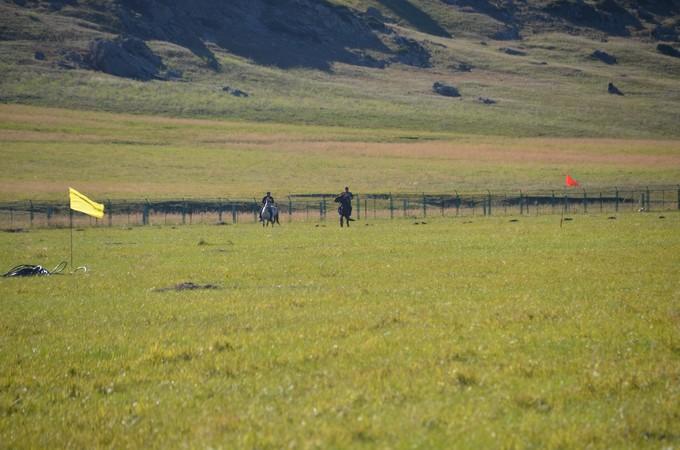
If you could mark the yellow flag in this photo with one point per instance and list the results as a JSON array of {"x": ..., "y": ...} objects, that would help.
[{"x": 83, "y": 204}]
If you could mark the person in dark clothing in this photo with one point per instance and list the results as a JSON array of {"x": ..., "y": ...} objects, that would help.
[
  {"x": 345, "y": 209},
  {"x": 265, "y": 199}
]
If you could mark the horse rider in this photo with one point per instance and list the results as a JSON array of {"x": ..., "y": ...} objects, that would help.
[
  {"x": 345, "y": 200},
  {"x": 267, "y": 201}
]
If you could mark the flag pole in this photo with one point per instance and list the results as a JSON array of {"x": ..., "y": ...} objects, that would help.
[{"x": 70, "y": 220}]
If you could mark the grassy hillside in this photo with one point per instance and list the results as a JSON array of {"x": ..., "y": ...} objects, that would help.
[{"x": 556, "y": 89}]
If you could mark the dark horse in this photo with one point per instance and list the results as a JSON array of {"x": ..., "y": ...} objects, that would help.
[{"x": 344, "y": 210}]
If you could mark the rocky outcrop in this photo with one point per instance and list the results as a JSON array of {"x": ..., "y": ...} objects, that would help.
[
  {"x": 604, "y": 57},
  {"x": 662, "y": 33},
  {"x": 127, "y": 57},
  {"x": 235, "y": 92},
  {"x": 513, "y": 51},
  {"x": 613, "y": 89},
  {"x": 486, "y": 101},
  {"x": 291, "y": 33},
  {"x": 668, "y": 50},
  {"x": 445, "y": 89},
  {"x": 411, "y": 53},
  {"x": 605, "y": 15}
]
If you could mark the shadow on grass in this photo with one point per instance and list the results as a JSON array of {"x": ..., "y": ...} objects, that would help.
[{"x": 415, "y": 16}]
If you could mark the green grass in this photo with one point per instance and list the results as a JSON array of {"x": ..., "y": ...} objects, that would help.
[
  {"x": 44, "y": 151},
  {"x": 452, "y": 334}
]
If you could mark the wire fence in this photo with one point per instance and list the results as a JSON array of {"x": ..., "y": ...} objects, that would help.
[{"x": 321, "y": 207}]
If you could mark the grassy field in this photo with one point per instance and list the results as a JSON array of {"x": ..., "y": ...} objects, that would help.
[
  {"x": 476, "y": 333},
  {"x": 469, "y": 332},
  {"x": 44, "y": 151}
]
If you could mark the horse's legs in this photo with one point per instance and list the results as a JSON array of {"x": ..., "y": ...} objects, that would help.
[
  {"x": 347, "y": 220},
  {"x": 341, "y": 224}
]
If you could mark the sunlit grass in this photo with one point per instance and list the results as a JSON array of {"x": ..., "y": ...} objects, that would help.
[
  {"x": 44, "y": 151},
  {"x": 474, "y": 332}
]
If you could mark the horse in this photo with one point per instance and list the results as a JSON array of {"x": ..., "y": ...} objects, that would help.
[
  {"x": 344, "y": 211},
  {"x": 269, "y": 214}
]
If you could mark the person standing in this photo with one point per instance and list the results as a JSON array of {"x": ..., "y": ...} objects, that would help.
[{"x": 345, "y": 209}]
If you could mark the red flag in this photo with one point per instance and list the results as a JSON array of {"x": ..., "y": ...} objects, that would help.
[{"x": 571, "y": 182}]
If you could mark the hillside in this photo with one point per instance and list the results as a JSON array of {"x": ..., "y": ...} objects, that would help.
[{"x": 525, "y": 68}]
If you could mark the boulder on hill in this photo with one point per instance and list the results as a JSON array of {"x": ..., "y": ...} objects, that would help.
[
  {"x": 125, "y": 56},
  {"x": 445, "y": 89},
  {"x": 661, "y": 33},
  {"x": 604, "y": 57},
  {"x": 668, "y": 50},
  {"x": 613, "y": 89},
  {"x": 71, "y": 59},
  {"x": 513, "y": 51},
  {"x": 235, "y": 92},
  {"x": 461, "y": 67}
]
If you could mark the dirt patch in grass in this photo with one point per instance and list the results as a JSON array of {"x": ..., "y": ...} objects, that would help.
[{"x": 187, "y": 286}]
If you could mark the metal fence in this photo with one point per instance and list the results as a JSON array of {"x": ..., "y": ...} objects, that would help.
[{"x": 316, "y": 207}]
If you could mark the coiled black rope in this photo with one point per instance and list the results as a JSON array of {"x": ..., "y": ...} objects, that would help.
[{"x": 30, "y": 270}]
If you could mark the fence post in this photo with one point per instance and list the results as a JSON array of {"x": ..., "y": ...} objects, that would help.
[
  {"x": 616, "y": 201},
  {"x": 366, "y": 208},
  {"x": 585, "y": 202},
  {"x": 358, "y": 208},
  {"x": 184, "y": 212},
  {"x": 649, "y": 200},
  {"x": 424, "y": 206},
  {"x": 442, "y": 204},
  {"x": 678, "y": 197},
  {"x": 49, "y": 210},
  {"x": 110, "y": 209},
  {"x": 31, "y": 212},
  {"x": 457, "y": 204},
  {"x": 521, "y": 204},
  {"x": 219, "y": 210},
  {"x": 489, "y": 207},
  {"x": 290, "y": 209},
  {"x": 601, "y": 203},
  {"x": 552, "y": 203},
  {"x": 392, "y": 204},
  {"x": 234, "y": 216},
  {"x": 321, "y": 210},
  {"x": 145, "y": 213}
]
